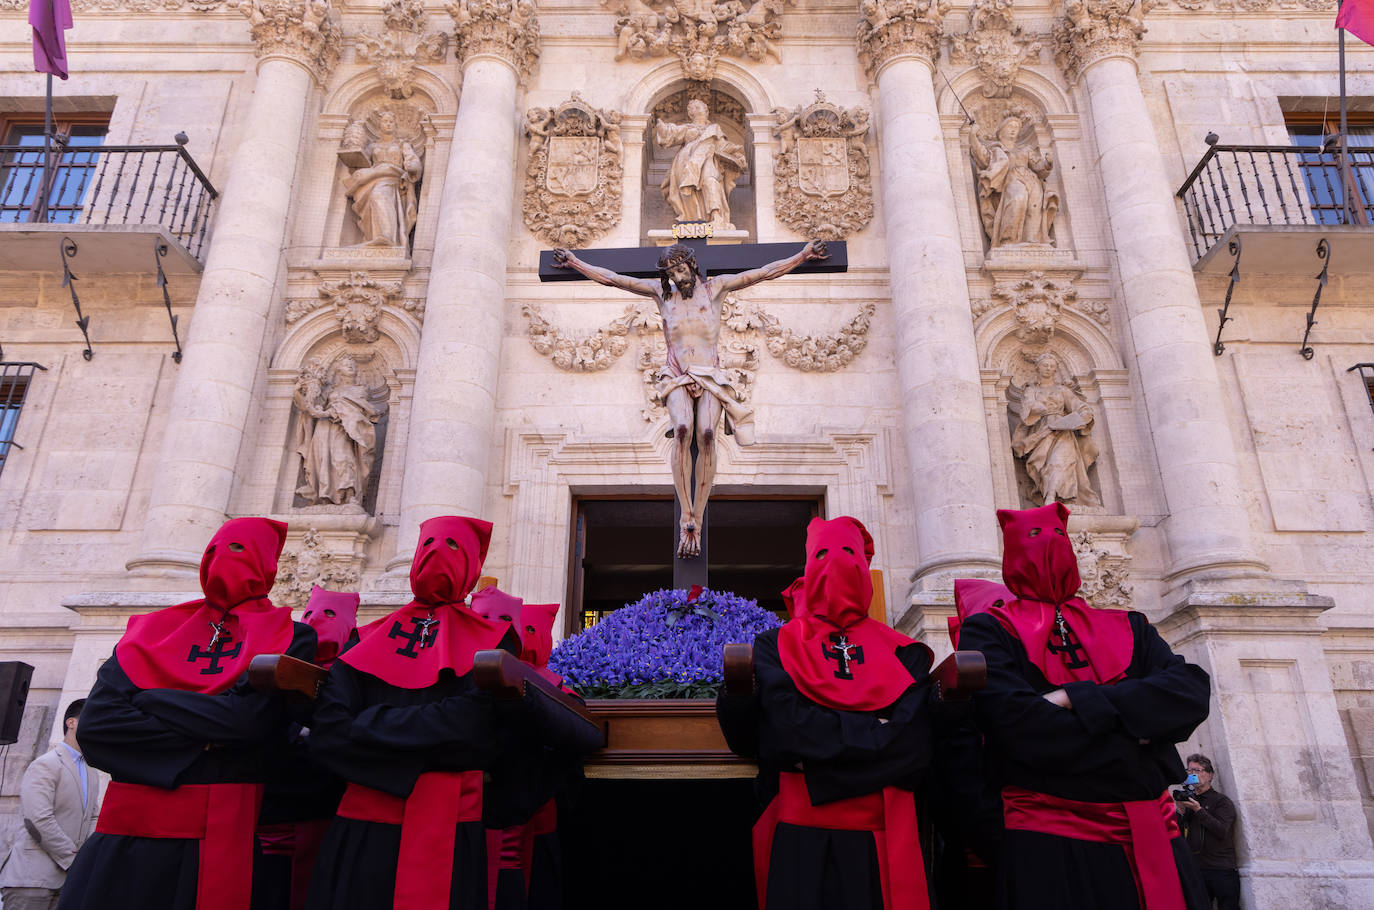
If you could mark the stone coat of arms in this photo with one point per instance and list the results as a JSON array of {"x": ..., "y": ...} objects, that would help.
[
  {"x": 821, "y": 181},
  {"x": 573, "y": 183}
]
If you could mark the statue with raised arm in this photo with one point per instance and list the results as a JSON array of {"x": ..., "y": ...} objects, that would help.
[
  {"x": 694, "y": 388},
  {"x": 702, "y": 175}
]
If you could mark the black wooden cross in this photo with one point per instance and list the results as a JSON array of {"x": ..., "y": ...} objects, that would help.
[
  {"x": 1068, "y": 644},
  {"x": 425, "y": 628},
  {"x": 215, "y": 654},
  {"x": 843, "y": 654},
  {"x": 642, "y": 262}
]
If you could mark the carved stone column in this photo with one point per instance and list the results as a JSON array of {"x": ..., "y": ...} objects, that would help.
[
  {"x": 297, "y": 43},
  {"x": 1208, "y": 529},
  {"x": 453, "y": 413},
  {"x": 937, "y": 364}
]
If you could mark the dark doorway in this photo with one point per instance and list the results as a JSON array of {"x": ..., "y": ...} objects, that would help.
[
  {"x": 665, "y": 844},
  {"x": 623, "y": 549}
]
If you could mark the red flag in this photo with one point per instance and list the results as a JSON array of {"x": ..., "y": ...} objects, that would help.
[
  {"x": 1357, "y": 18},
  {"x": 50, "y": 20}
]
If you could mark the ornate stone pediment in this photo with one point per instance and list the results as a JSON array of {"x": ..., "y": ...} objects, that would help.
[
  {"x": 507, "y": 29},
  {"x": 697, "y": 32},
  {"x": 821, "y": 180},
  {"x": 307, "y": 31},
  {"x": 405, "y": 44},
  {"x": 994, "y": 44},
  {"x": 357, "y": 302},
  {"x": 899, "y": 28},
  {"x": 1104, "y": 573},
  {"x": 573, "y": 182}
]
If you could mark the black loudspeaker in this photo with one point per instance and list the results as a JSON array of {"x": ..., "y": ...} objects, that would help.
[{"x": 14, "y": 693}]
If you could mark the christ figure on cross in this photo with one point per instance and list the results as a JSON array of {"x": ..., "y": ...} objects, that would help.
[{"x": 694, "y": 388}]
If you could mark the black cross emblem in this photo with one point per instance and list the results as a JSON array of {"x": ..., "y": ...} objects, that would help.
[
  {"x": 1068, "y": 644},
  {"x": 843, "y": 653},
  {"x": 422, "y": 635},
  {"x": 214, "y": 655}
]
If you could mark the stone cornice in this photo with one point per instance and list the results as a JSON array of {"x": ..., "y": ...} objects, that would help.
[
  {"x": 1093, "y": 30},
  {"x": 505, "y": 29},
  {"x": 306, "y": 31},
  {"x": 891, "y": 29}
]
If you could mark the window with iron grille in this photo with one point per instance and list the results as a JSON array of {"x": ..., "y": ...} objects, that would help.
[
  {"x": 15, "y": 379},
  {"x": 72, "y": 164},
  {"x": 1321, "y": 168}
]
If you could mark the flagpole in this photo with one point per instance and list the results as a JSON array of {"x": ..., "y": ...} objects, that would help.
[
  {"x": 1347, "y": 209},
  {"x": 47, "y": 151}
]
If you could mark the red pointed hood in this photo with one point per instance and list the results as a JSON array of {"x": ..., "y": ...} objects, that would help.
[
  {"x": 171, "y": 648},
  {"x": 829, "y": 606},
  {"x": 1038, "y": 562},
  {"x": 334, "y": 617},
  {"x": 448, "y": 560}
]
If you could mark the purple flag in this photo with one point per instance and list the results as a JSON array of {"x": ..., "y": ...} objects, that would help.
[{"x": 50, "y": 20}]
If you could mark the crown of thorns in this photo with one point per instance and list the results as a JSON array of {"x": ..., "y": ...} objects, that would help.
[{"x": 675, "y": 255}]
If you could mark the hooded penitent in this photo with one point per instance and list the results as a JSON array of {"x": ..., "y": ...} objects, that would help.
[
  {"x": 436, "y": 630},
  {"x": 334, "y": 617},
  {"x": 532, "y": 622},
  {"x": 206, "y": 645},
  {"x": 1063, "y": 636},
  {"x": 975, "y": 595},
  {"x": 834, "y": 653}
]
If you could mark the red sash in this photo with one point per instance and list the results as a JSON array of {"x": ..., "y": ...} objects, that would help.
[
  {"x": 221, "y": 816},
  {"x": 513, "y": 848},
  {"x": 1142, "y": 827},
  {"x": 429, "y": 820},
  {"x": 890, "y": 815},
  {"x": 300, "y": 841}
]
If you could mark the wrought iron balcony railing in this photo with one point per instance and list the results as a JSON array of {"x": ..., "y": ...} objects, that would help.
[
  {"x": 108, "y": 185},
  {"x": 1275, "y": 185}
]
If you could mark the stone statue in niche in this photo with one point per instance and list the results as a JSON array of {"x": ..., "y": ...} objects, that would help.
[
  {"x": 336, "y": 434},
  {"x": 1016, "y": 205},
  {"x": 705, "y": 169},
  {"x": 381, "y": 186},
  {"x": 1054, "y": 435}
]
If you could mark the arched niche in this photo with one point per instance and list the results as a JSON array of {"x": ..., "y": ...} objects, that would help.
[
  {"x": 314, "y": 351},
  {"x": 728, "y": 109},
  {"x": 1033, "y": 87},
  {"x": 1090, "y": 370}
]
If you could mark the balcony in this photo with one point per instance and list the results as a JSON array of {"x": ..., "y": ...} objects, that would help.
[
  {"x": 115, "y": 202},
  {"x": 1280, "y": 201}
]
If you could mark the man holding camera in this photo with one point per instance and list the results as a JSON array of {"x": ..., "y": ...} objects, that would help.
[{"x": 1209, "y": 824}]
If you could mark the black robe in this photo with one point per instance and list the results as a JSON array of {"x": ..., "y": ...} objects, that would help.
[
  {"x": 842, "y": 754},
  {"x": 1092, "y": 753},
  {"x": 384, "y": 737},
  {"x": 159, "y": 738}
]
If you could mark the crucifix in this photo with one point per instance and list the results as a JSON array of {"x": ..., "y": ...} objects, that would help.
[
  {"x": 844, "y": 653},
  {"x": 689, "y": 281},
  {"x": 420, "y": 634},
  {"x": 1068, "y": 643}
]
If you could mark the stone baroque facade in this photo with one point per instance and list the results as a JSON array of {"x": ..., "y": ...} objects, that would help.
[{"x": 1227, "y": 497}]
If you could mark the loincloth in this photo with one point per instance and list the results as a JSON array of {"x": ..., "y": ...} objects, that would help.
[{"x": 739, "y": 419}]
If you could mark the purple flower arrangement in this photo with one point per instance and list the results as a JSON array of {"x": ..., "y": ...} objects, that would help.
[{"x": 664, "y": 646}]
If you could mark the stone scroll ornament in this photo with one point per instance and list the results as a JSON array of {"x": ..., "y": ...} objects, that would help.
[
  {"x": 406, "y": 43},
  {"x": 573, "y": 182},
  {"x": 996, "y": 45},
  {"x": 821, "y": 179},
  {"x": 697, "y": 32}
]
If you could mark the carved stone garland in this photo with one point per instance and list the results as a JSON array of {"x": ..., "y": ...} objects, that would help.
[
  {"x": 995, "y": 45},
  {"x": 573, "y": 182},
  {"x": 821, "y": 179},
  {"x": 507, "y": 29},
  {"x": 307, "y": 31},
  {"x": 312, "y": 564},
  {"x": 405, "y": 44},
  {"x": 739, "y": 348},
  {"x": 697, "y": 33}
]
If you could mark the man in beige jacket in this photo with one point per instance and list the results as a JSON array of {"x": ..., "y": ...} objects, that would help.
[{"x": 59, "y": 798}]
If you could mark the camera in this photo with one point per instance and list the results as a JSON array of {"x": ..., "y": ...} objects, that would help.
[{"x": 1183, "y": 794}]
